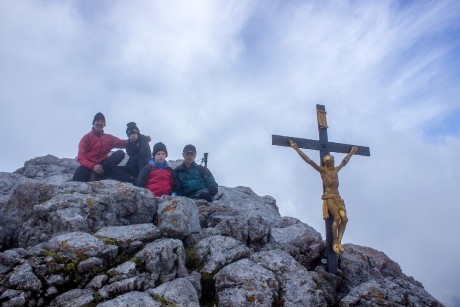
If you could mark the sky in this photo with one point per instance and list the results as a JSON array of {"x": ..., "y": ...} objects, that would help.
[{"x": 226, "y": 75}]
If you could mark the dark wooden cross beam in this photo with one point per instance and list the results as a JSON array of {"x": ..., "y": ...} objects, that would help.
[{"x": 324, "y": 147}]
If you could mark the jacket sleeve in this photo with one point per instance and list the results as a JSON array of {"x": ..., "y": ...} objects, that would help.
[
  {"x": 83, "y": 152},
  {"x": 144, "y": 150},
  {"x": 176, "y": 182},
  {"x": 211, "y": 183},
  {"x": 118, "y": 143},
  {"x": 141, "y": 180}
]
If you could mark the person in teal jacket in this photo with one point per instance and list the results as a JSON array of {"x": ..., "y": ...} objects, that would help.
[{"x": 192, "y": 180}]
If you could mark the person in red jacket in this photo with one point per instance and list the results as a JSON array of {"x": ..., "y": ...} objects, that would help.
[
  {"x": 93, "y": 150},
  {"x": 157, "y": 175}
]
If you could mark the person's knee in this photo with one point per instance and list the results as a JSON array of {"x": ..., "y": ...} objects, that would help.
[
  {"x": 81, "y": 174},
  {"x": 119, "y": 154}
]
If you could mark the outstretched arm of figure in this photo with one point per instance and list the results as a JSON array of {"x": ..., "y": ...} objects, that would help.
[
  {"x": 304, "y": 156},
  {"x": 345, "y": 160}
]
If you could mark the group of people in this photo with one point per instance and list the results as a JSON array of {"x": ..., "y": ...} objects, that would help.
[{"x": 144, "y": 168}]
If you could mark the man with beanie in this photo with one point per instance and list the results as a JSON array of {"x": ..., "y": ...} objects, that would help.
[
  {"x": 157, "y": 176},
  {"x": 138, "y": 150},
  {"x": 93, "y": 150},
  {"x": 192, "y": 180}
]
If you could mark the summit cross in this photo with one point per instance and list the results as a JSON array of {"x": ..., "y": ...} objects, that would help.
[{"x": 324, "y": 147}]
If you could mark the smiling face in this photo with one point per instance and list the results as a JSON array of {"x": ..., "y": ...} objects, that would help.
[
  {"x": 99, "y": 124},
  {"x": 160, "y": 157}
]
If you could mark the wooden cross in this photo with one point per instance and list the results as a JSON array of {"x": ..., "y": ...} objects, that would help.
[{"x": 324, "y": 147}]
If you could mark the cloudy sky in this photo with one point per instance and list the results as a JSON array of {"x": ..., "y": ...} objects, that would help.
[{"x": 226, "y": 75}]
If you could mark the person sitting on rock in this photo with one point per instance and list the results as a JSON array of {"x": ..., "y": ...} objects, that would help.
[
  {"x": 157, "y": 176},
  {"x": 93, "y": 150},
  {"x": 192, "y": 180},
  {"x": 138, "y": 150}
]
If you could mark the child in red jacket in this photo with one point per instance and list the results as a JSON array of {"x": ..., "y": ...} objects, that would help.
[{"x": 157, "y": 176}]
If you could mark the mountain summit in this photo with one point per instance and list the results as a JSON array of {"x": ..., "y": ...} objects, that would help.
[{"x": 107, "y": 243}]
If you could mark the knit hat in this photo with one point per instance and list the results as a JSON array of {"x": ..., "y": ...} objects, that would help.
[
  {"x": 98, "y": 115},
  {"x": 159, "y": 147},
  {"x": 188, "y": 148},
  {"x": 132, "y": 128}
]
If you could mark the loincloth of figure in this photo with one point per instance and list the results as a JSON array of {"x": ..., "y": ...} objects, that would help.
[{"x": 338, "y": 201}]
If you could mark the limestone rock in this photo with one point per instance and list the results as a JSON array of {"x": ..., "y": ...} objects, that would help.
[
  {"x": 134, "y": 298},
  {"x": 179, "y": 292},
  {"x": 245, "y": 283},
  {"x": 178, "y": 217},
  {"x": 297, "y": 239},
  {"x": 66, "y": 243},
  {"x": 164, "y": 259},
  {"x": 75, "y": 244},
  {"x": 218, "y": 251},
  {"x": 296, "y": 282},
  {"x": 74, "y": 298},
  {"x": 87, "y": 207},
  {"x": 49, "y": 168}
]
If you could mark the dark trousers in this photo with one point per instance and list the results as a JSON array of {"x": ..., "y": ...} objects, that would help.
[
  {"x": 135, "y": 165},
  {"x": 109, "y": 165}
]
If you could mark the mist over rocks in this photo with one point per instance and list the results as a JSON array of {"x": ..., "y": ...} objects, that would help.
[{"x": 108, "y": 243}]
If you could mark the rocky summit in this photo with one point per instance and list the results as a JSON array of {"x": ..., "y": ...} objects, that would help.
[{"x": 107, "y": 243}]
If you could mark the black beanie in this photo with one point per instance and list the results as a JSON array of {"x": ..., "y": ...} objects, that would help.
[
  {"x": 132, "y": 128},
  {"x": 159, "y": 147},
  {"x": 98, "y": 116}
]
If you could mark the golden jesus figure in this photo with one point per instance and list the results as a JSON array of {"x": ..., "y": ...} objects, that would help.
[{"x": 332, "y": 202}]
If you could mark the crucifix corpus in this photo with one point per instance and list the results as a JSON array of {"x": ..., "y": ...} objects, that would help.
[{"x": 334, "y": 212}]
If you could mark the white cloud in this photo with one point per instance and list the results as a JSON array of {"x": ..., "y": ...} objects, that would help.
[{"x": 225, "y": 75}]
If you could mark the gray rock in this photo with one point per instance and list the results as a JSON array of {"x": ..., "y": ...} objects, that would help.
[
  {"x": 19, "y": 196},
  {"x": 46, "y": 224},
  {"x": 384, "y": 292},
  {"x": 369, "y": 275},
  {"x": 23, "y": 278},
  {"x": 49, "y": 167},
  {"x": 137, "y": 283},
  {"x": 130, "y": 233},
  {"x": 134, "y": 298},
  {"x": 16, "y": 301},
  {"x": 298, "y": 287},
  {"x": 164, "y": 259},
  {"x": 97, "y": 282},
  {"x": 251, "y": 230},
  {"x": 179, "y": 292},
  {"x": 178, "y": 217},
  {"x": 123, "y": 271},
  {"x": 360, "y": 264},
  {"x": 55, "y": 280},
  {"x": 74, "y": 298},
  {"x": 87, "y": 207},
  {"x": 245, "y": 201},
  {"x": 218, "y": 251},
  {"x": 299, "y": 240},
  {"x": 246, "y": 283},
  {"x": 75, "y": 244},
  {"x": 90, "y": 264}
]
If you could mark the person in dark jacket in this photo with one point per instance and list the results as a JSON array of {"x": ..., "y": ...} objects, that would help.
[
  {"x": 192, "y": 180},
  {"x": 138, "y": 150},
  {"x": 93, "y": 153},
  {"x": 157, "y": 176}
]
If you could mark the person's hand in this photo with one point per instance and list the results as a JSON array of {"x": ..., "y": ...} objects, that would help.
[
  {"x": 354, "y": 149},
  {"x": 98, "y": 169},
  {"x": 148, "y": 138},
  {"x": 293, "y": 144}
]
